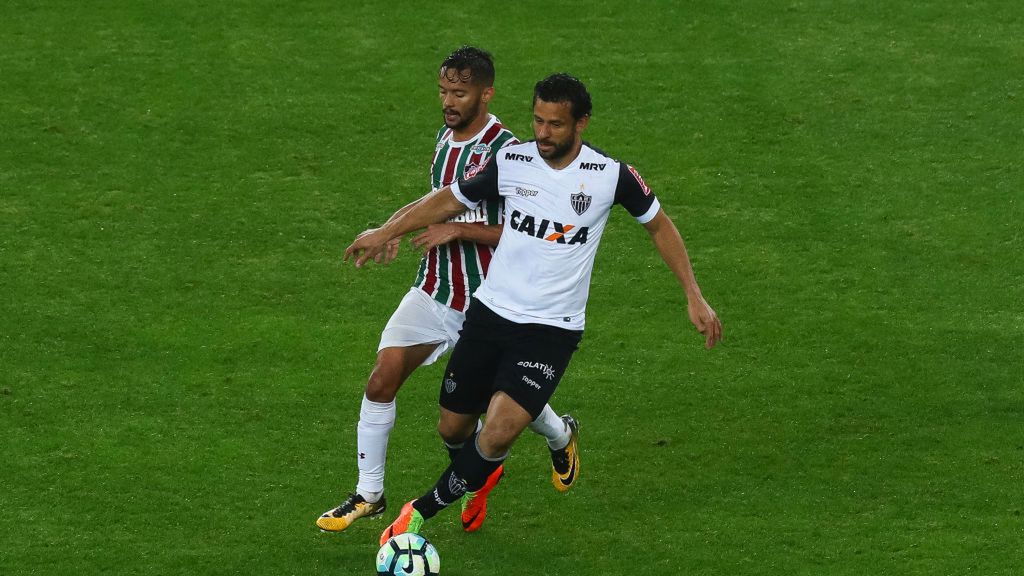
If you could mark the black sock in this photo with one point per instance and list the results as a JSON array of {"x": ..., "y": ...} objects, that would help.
[
  {"x": 474, "y": 466},
  {"x": 453, "y": 449},
  {"x": 469, "y": 471},
  {"x": 448, "y": 490}
]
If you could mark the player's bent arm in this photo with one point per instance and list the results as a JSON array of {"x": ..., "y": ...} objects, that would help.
[
  {"x": 670, "y": 245},
  {"x": 438, "y": 234},
  {"x": 486, "y": 234},
  {"x": 405, "y": 208}
]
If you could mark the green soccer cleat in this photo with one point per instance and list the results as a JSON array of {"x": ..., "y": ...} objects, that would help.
[
  {"x": 565, "y": 463},
  {"x": 409, "y": 520},
  {"x": 474, "y": 504},
  {"x": 352, "y": 509}
]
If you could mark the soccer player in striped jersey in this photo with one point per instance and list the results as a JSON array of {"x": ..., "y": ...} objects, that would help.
[
  {"x": 527, "y": 319},
  {"x": 426, "y": 324}
]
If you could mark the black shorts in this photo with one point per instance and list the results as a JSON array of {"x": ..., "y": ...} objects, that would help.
[{"x": 526, "y": 361}]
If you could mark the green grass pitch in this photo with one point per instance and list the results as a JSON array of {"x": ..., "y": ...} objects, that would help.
[{"x": 182, "y": 351}]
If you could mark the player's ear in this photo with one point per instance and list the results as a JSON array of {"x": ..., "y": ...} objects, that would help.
[
  {"x": 487, "y": 94},
  {"x": 581, "y": 124}
]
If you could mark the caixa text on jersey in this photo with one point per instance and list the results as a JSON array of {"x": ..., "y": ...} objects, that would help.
[{"x": 548, "y": 230}]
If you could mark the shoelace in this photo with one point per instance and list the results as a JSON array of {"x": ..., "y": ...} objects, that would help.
[{"x": 347, "y": 506}]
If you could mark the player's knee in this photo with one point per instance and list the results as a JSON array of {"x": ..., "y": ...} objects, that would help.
[
  {"x": 495, "y": 441},
  {"x": 382, "y": 385},
  {"x": 455, "y": 431}
]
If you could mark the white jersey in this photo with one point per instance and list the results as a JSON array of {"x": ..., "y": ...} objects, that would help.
[{"x": 554, "y": 220}]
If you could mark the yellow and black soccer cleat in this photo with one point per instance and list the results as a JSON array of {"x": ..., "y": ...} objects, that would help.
[
  {"x": 352, "y": 509},
  {"x": 565, "y": 463}
]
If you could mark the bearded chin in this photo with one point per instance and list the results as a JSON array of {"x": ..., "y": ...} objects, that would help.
[
  {"x": 466, "y": 119},
  {"x": 559, "y": 151}
]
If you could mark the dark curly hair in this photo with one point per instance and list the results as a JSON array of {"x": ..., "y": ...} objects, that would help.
[
  {"x": 469, "y": 64},
  {"x": 564, "y": 87}
]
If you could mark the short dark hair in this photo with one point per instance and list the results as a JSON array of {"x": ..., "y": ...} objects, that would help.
[
  {"x": 469, "y": 64},
  {"x": 564, "y": 87}
]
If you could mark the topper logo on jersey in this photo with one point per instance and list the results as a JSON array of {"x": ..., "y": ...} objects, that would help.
[
  {"x": 591, "y": 166},
  {"x": 519, "y": 157},
  {"x": 558, "y": 232}
]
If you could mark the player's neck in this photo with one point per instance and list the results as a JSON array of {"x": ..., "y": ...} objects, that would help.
[
  {"x": 568, "y": 158},
  {"x": 473, "y": 128}
]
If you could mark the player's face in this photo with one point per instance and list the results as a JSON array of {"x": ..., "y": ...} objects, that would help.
[
  {"x": 557, "y": 133},
  {"x": 462, "y": 101}
]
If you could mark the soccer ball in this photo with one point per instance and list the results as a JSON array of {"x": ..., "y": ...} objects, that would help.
[{"x": 408, "y": 555}]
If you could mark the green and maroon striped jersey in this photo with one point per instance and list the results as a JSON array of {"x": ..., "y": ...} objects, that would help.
[{"x": 452, "y": 272}]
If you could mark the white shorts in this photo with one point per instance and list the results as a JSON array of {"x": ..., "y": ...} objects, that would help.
[{"x": 419, "y": 319}]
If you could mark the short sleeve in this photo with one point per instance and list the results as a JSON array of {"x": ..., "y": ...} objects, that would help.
[
  {"x": 482, "y": 184},
  {"x": 635, "y": 196}
]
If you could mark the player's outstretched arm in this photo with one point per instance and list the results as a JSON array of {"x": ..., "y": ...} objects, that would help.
[
  {"x": 670, "y": 245},
  {"x": 392, "y": 247},
  {"x": 438, "y": 234},
  {"x": 435, "y": 207}
]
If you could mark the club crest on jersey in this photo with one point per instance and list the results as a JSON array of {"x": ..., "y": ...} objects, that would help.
[
  {"x": 580, "y": 201},
  {"x": 548, "y": 229},
  {"x": 472, "y": 169},
  {"x": 640, "y": 180}
]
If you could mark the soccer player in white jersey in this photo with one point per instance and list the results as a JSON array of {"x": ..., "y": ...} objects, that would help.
[
  {"x": 527, "y": 318},
  {"x": 457, "y": 254}
]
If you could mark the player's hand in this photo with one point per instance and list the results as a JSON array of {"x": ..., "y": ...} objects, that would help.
[
  {"x": 369, "y": 244},
  {"x": 706, "y": 321},
  {"x": 392, "y": 250},
  {"x": 435, "y": 235}
]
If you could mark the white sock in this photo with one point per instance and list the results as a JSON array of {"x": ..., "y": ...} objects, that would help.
[
  {"x": 376, "y": 420},
  {"x": 550, "y": 426}
]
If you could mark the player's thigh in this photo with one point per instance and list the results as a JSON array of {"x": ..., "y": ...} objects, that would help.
[
  {"x": 455, "y": 427},
  {"x": 419, "y": 320},
  {"x": 392, "y": 369},
  {"x": 533, "y": 364},
  {"x": 469, "y": 376}
]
